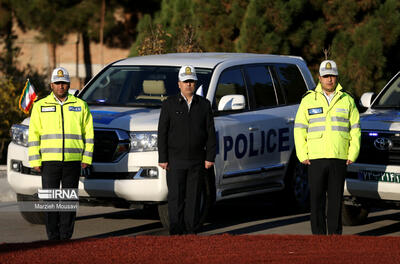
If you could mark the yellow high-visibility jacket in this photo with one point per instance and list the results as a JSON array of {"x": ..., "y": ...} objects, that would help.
[
  {"x": 60, "y": 132},
  {"x": 327, "y": 131}
]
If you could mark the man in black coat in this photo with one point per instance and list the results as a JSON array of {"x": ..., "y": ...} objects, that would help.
[{"x": 186, "y": 148}]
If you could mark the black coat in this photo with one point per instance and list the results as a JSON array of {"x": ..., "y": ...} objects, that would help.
[{"x": 186, "y": 136}]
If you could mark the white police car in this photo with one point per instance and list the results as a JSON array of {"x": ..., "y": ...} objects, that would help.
[
  {"x": 374, "y": 179},
  {"x": 254, "y": 97}
]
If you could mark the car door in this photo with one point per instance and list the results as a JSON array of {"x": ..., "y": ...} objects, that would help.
[
  {"x": 236, "y": 131},
  {"x": 273, "y": 130},
  {"x": 290, "y": 82}
]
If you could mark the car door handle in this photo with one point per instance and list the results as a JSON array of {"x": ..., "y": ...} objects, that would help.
[
  {"x": 253, "y": 128},
  {"x": 290, "y": 121}
]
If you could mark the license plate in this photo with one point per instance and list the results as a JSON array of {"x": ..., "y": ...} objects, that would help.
[{"x": 379, "y": 176}]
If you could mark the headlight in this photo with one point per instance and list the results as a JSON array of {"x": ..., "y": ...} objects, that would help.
[
  {"x": 19, "y": 135},
  {"x": 143, "y": 141}
]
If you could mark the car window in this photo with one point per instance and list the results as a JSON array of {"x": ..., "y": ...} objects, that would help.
[
  {"x": 292, "y": 82},
  {"x": 230, "y": 82},
  {"x": 139, "y": 85},
  {"x": 263, "y": 88},
  {"x": 390, "y": 98}
]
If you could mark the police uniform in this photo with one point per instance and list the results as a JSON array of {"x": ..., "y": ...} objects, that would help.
[
  {"x": 186, "y": 138},
  {"x": 327, "y": 134},
  {"x": 60, "y": 139}
]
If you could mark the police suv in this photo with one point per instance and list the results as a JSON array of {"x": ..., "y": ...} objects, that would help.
[
  {"x": 254, "y": 97},
  {"x": 374, "y": 180}
]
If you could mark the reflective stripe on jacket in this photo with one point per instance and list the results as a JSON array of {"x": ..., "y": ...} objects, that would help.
[
  {"x": 327, "y": 131},
  {"x": 60, "y": 132}
]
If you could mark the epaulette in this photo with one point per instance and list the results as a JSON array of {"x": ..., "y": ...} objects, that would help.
[
  {"x": 37, "y": 99},
  {"x": 347, "y": 92},
  {"x": 308, "y": 92}
]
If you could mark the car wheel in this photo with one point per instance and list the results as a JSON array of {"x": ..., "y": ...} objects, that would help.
[
  {"x": 297, "y": 191},
  {"x": 354, "y": 215},
  {"x": 207, "y": 199},
  {"x": 36, "y": 218}
]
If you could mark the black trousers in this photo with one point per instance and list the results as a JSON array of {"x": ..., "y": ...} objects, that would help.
[
  {"x": 183, "y": 198},
  {"x": 60, "y": 225},
  {"x": 326, "y": 179}
]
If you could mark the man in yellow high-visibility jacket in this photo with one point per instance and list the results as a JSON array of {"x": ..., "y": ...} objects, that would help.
[
  {"x": 60, "y": 144},
  {"x": 327, "y": 139}
]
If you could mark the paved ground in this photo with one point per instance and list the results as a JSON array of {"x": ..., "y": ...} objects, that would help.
[
  {"x": 256, "y": 215},
  {"x": 6, "y": 194}
]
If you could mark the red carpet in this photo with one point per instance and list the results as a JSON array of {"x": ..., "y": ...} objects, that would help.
[{"x": 208, "y": 249}]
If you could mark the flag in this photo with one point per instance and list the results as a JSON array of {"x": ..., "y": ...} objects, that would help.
[{"x": 27, "y": 97}]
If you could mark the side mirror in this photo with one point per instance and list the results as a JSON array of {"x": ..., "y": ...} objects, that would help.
[
  {"x": 232, "y": 102},
  {"x": 366, "y": 99}
]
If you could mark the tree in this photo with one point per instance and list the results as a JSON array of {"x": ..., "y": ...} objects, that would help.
[
  {"x": 8, "y": 110},
  {"x": 218, "y": 23},
  {"x": 170, "y": 31},
  {"x": 153, "y": 41},
  {"x": 122, "y": 31},
  {"x": 209, "y": 25},
  {"x": 188, "y": 42},
  {"x": 50, "y": 18},
  {"x": 365, "y": 46},
  {"x": 7, "y": 38},
  {"x": 120, "y": 20},
  {"x": 363, "y": 36},
  {"x": 56, "y": 19},
  {"x": 84, "y": 18},
  {"x": 173, "y": 18},
  {"x": 271, "y": 26}
]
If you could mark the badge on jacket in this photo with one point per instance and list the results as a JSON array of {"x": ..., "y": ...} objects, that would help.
[
  {"x": 47, "y": 109},
  {"x": 314, "y": 111},
  {"x": 75, "y": 108}
]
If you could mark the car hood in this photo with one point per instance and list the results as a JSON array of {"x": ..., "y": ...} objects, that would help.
[
  {"x": 126, "y": 118},
  {"x": 387, "y": 119}
]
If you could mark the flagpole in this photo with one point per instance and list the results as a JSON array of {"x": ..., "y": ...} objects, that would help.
[
  {"x": 22, "y": 95},
  {"x": 27, "y": 97}
]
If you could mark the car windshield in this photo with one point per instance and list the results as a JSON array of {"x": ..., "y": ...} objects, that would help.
[
  {"x": 390, "y": 98},
  {"x": 139, "y": 85}
]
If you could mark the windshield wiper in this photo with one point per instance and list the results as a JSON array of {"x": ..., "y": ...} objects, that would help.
[
  {"x": 143, "y": 104},
  {"x": 96, "y": 102}
]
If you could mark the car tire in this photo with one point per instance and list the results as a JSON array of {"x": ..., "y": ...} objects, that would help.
[
  {"x": 36, "y": 218},
  {"x": 297, "y": 192},
  {"x": 207, "y": 192},
  {"x": 354, "y": 215}
]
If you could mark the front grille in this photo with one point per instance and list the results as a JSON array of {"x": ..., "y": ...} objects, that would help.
[
  {"x": 110, "y": 145},
  {"x": 372, "y": 155}
]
